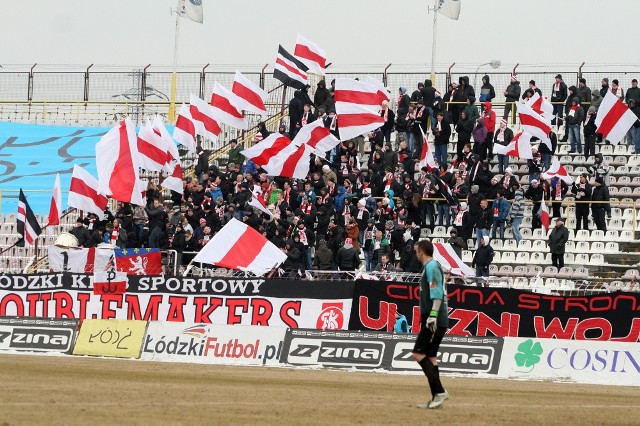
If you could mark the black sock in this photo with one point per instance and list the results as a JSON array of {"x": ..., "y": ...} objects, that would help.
[
  {"x": 439, "y": 388},
  {"x": 430, "y": 371}
]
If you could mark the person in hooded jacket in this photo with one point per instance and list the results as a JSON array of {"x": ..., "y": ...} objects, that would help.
[
  {"x": 512, "y": 95},
  {"x": 575, "y": 117},
  {"x": 429, "y": 98},
  {"x": 558, "y": 95},
  {"x": 293, "y": 255},
  {"x": 489, "y": 116},
  {"x": 463, "y": 129},
  {"x": 389, "y": 119},
  {"x": 296, "y": 109},
  {"x": 633, "y": 136},
  {"x": 471, "y": 108},
  {"x": 557, "y": 240},
  {"x": 323, "y": 257},
  {"x": 479, "y": 138},
  {"x": 487, "y": 92},
  {"x": 601, "y": 194},
  {"x": 567, "y": 107},
  {"x": 535, "y": 194},
  {"x": 461, "y": 95},
  {"x": 403, "y": 102},
  {"x": 483, "y": 258},
  {"x": 321, "y": 95},
  {"x": 582, "y": 191},
  {"x": 347, "y": 257}
]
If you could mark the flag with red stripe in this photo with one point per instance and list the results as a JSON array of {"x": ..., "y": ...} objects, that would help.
[
  {"x": 614, "y": 118},
  {"x": 83, "y": 193},
  {"x": 292, "y": 165},
  {"x": 110, "y": 282},
  {"x": 27, "y": 224},
  {"x": 444, "y": 254},
  {"x": 534, "y": 124},
  {"x": 545, "y": 218},
  {"x": 203, "y": 119},
  {"x": 160, "y": 130},
  {"x": 311, "y": 55},
  {"x": 520, "y": 147},
  {"x": 541, "y": 105},
  {"x": 118, "y": 164},
  {"x": 357, "y": 107},
  {"x": 174, "y": 180},
  {"x": 227, "y": 107},
  {"x": 383, "y": 92},
  {"x": 426, "y": 155},
  {"x": 557, "y": 170},
  {"x": 238, "y": 246},
  {"x": 316, "y": 136},
  {"x": 153, "y": 149},
  {"x": 267, "y": 152},
  {"x": 252, "y": 95},
  {"x": 289, "y": 70},
  {"x": 55, "y": 210}
]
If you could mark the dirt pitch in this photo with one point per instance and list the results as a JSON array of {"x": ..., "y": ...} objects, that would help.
[{"x": 92, "y": 391}]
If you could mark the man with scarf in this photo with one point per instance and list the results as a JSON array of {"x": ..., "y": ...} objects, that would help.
[
  {"x": 442, "y": 132},
  {"x": 535, "y": 193},
  {"x": 575, "y": 117},
  {"x": 558, "y": 189},
  {"x": 582, "y": 192}
]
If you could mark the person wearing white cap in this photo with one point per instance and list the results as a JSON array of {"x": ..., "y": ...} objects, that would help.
[
  {"x": 328, "y": 174},
  {"x": 482, "y": 258}
]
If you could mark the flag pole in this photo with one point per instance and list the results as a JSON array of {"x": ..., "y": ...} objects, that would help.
[
  {"x": 433, "y": 42},
  {"x": 174, "y": 76}
]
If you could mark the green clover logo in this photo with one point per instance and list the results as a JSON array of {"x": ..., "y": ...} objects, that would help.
[{"x": 528, "y": 355}]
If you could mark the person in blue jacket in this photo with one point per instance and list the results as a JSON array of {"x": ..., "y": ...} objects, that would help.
[
  {"x": 401, "y": 325},
  {"x": 501, "y": 209}
]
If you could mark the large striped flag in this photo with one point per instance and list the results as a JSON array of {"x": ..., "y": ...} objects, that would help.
[
  {"x": 203, "y": 120},
  {"x": 520, "y": 147},
  {"x": 558, "y": 170},
  {"x": 27, "y": 225},
  {"x": 357, "y": 107},
  {"x": 316, "y": 136},
  {"x": 289, "y": 70},
  {"x": 292, "y": 165},
  {"x": 55, "y": 210},
  {"x": 541, "y": 105},
  {"x": 154, "y": 150},
  {"x": 534, "y": 124},
  {"x": 251, "y": 94},
  {"x": 382, "y": 90},
  {"x": 227, "y": 107},
  {"x": 160, "y": 130},
  {"x": 426, "y": 155},
  {"x": 118, "y": 164},
  {"x": 185, "y": 130},
  {"x": 83, "y": 193},
  {"x": 444, "y": 254},
  {"x": 267, "y": 151},
  {"x": 311, "y": 55},
  {"x": 614, "y": 118},
  {"x": 238, "y": 246},
  {"x": 545, "y": 218}
]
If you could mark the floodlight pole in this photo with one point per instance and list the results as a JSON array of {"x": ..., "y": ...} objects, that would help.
[
  {"x": 433, "y": 40},
  {"x": 174, "y": 75}
]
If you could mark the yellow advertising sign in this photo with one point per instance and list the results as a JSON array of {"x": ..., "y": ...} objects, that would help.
[{"x": 115, "y": 338}]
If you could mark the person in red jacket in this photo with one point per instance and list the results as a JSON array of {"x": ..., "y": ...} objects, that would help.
[{"x": 489, "y": 116}]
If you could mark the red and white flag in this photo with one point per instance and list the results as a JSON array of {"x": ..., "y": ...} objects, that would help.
[
  {"x": 426, "y": 155},
  {"x": 252, "y": 95},
  {"x": 614, "y": 118},
  {"x": 118, "y": 164},
  {"x": 227, "y": 107},
  {"x": 71, "y": 259},
  {"x": 110, "y": 282},
  {"x": 317, "y": 137},
  {"x": 520, "y": 146},
  {"x": 311, "y": 55},
  {"x": 557, "y": 170},
  {"x": 545, "y": 219},
  {"x": 292, "y": 165},
  {"x": 161, "y": 130},
  {"x": 290, "y": 70},
  {"x": 382, "y": 90},
  {"x": 267, "y": 151},
  {"x": 174, "y": 180},
  {"x": 238, "y": 246},
  {"x": 55, "y": 210},
  {"x": 444, "y": 254},
  {"x": 534, "y": 124},
  {"x": 256, "y": 204},
  {"x": 357, "y": 107},
  {"x": 204, "y": 120},
  {"x": 83, "y": 193},
  {"x": 153, "y": 149},
  {"x": 541, "y": 105}
]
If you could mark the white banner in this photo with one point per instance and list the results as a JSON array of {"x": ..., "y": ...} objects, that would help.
[
  {"x": 580, "y": 361},
  {"x": 213, "y": 344}
]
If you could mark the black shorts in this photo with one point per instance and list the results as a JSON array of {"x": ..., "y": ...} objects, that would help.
[{"x": 427, "y": 342}]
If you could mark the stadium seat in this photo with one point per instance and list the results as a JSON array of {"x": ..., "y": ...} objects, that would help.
[
  {"x": 633, "y": 161},
  {"x": 550, "y": 271},
  {"x": 569, "y": 258},
  {"x": 551, "y": 283},
  {"x": 615, "y": 224},
  {"x": 582, "y": 235},
  {"x": 534, "y": 270},
  {"x": 505, "y": 271},
  {"x": 537, "y": 234},
  {"x": 467, "y": 256},
  {"x": 509, "y": 245},
  {"x": 522, "y": 258},
  {"x": 537, "y": 258},
  {"x": 626, "y": 236},
  {"x": 525, "y": 245},
  {"x": 540, "y": 245},
  {"x": 597, "y": 247},
  {"x": 582, "y": 259},
  {"x": 497, "y": 257},
  {"x": 496, "y": 244},
  {"x": 493, "y": 269},
  {"x": 521, "y": 283},
  {"x": 519, "y": 271},
  {"x": 627, "y": 214},
  {"x": 580, "y": 273},
  {"x": 612, "y": 247},
  {"x": 597, "y": 259},
  {"x": 565, "y": 272},
  {"x": 508, "y": 257},
  {"x": 439, "y": 231}
]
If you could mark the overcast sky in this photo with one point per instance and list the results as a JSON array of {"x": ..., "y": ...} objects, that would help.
[{"x": 128, "y": 32}]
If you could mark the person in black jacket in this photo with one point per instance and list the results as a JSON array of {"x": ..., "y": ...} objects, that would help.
[
  {"x": 487, "y": 92},
  {"x": 442, "y": 133},
  {"x": 463, "y": 129},
  {"x": 321, "y": 95},
  {"x": 81, "y": 233},
  {"x": 293, "y": 255},
  {"x": 601, "y": 195},
  {"x": 558, "y": 96},
  {"x": 582, "y": 192},
  {"x": 590, "y": 133},
  {"x": 429, "y": 98},
  {"x": 347, "y": 257},
  {"x": 575, "y": 117},
  {"x": 557, "y": 240},
  {"x": 547, "y": 153},
  {"x": 535, "y": 194},
  {"x": 567, "y": 108},
  {"x": 512, "y": 95},
  {"x": 403, "y": 103},
  {"x": 503, "y": 136},
  {"x": 296, "y": 108},
  {"x": 484, "y": 221},
  {"x": 483, "y": 257}
]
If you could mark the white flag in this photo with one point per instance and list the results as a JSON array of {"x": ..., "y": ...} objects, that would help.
[
  {"x": 191, "y": 9},
  {"x": 450, "y": 8}
]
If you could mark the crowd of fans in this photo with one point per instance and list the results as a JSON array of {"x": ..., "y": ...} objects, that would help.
[{"x": 349, "y": 209}]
